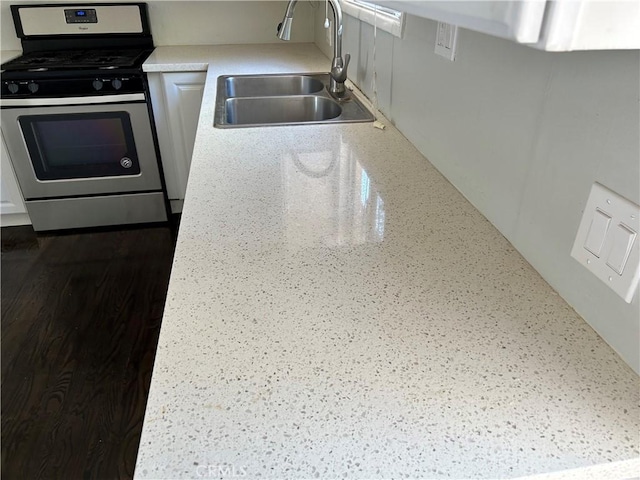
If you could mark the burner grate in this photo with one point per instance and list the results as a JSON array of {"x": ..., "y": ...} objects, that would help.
[{"x": 76, "y": 59}]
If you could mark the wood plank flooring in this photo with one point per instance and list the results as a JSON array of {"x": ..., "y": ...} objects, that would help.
[{"x": 80, "y": 315}]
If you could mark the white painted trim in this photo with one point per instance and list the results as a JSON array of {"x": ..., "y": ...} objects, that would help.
[{"x": 384, "y": 22}]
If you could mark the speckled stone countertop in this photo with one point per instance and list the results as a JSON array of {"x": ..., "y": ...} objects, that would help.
[{"x": 337, "y": 309}]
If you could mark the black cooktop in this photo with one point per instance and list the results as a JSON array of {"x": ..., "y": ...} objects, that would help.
[
  {"x": 67, "y": 64},
  {"x": 101, "y": 59}
]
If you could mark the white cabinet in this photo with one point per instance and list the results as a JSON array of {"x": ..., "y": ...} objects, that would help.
[
  {"x": 590, "y": 25},
  {"x": 12, "y": 209},
  {"x": 542, "y": 24},
  {"x": 176, "y": 99}
]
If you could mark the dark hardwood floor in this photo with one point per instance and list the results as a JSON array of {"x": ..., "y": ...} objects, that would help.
[{"x": 80, "y": 315}]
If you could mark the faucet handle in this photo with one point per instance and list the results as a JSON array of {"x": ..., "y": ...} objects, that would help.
[
  {"x": 339, "y": 70},
  {"x": 347, "y": 58}
]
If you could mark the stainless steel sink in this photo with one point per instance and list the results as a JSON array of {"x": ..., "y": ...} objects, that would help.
[
  {"x": 292, "y": 99},
  {"x": 271, "y": 85},
  {"x": 290, "y": 109}
]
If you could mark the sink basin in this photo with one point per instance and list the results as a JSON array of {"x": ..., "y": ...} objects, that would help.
[
  {"x": 280, "y": 110},
  {"x": 283, "y": 99},
  {"x": 271, "y": 85}
]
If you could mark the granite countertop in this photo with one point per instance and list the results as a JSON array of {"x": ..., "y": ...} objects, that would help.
[{"x": 338, "y": 309}]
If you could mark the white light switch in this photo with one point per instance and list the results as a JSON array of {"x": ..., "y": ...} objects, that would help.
[
  {"x": 597, "y": 231},
  {"x": 607, "y": 240},
  {"x": 446, "y": 40},
  {"x": 621, "y": 243}
]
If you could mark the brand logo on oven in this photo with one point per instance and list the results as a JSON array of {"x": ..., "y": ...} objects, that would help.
[
  {"x": 126, "y": 162},
  {"x": 83, "y": 28}
]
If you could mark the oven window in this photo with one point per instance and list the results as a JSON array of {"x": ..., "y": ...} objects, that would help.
[{"x": 81, "y": 145}]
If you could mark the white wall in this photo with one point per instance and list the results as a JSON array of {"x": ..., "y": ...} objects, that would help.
[
  {"x": 199, "y": 22},
  {"x": 522, "y": 134},
  {"x": 214, "y": 22}
]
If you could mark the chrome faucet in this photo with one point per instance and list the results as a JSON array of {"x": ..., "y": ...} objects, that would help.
[{"x": 338, "y": 64}]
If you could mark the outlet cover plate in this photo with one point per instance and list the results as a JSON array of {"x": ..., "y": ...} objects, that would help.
[{"x": 608, "y": 240}]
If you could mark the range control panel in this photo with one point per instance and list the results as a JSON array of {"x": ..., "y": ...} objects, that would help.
[
  {"x": 108, "y": 84},
  {"x": 81, "y": 15},
  {"x": 77, "y": 19}
]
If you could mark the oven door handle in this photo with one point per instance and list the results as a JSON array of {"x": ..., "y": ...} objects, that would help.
[{"x": 50, "y": 102}]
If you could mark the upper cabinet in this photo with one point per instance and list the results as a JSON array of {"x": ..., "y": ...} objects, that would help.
[{"x": 557, "y": 26}]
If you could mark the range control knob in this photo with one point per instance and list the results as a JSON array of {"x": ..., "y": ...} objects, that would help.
[
  {"x": 97, "y": 84},
  {"x": 33, "y": 87},
  {"x": 116, "y": 84},
  {"x": 13, "y": 87}
]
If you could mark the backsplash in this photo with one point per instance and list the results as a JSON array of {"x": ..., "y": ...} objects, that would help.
[{"x": 523, "y": 134}]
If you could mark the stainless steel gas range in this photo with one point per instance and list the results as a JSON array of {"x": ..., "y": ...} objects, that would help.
[{"x": 76, "y": 117}]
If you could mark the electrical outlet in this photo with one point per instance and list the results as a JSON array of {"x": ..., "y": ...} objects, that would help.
[
  {"x": 607, "y": 242},
  {"x": 446, "y": 40},
  {"x": 329, "y": 37}
]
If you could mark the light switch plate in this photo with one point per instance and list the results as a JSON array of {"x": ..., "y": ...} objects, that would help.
[
  {"x": 446, "y": 40},
  {"x": 608, "y": 240}
]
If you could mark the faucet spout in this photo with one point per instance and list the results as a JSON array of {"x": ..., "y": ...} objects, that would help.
[
  {"x": 338, "y": 64},
  {"x": 284, "y": 28}
]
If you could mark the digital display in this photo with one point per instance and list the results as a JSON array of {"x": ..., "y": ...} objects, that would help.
[{"x": 83, "y": 15}]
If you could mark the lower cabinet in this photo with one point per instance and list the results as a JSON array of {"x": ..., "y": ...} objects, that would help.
[
  {"x": 176, "y": 99},
  {"x": 12, "y": 209}
]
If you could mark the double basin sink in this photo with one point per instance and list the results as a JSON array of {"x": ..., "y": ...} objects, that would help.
[{"x": 261, "y": 100}]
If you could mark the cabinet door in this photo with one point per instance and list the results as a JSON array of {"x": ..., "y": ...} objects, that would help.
[
  {"x": 176, "y": 99},
  {"x": 548, "y": 25},
  {"x": 590, "y": 25},
  {"x": 11, "y": 203},
  {"x": 519, "y": 20}
]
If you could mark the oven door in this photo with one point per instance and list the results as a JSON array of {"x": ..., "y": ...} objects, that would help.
[{"x": 81, "y": 146}]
